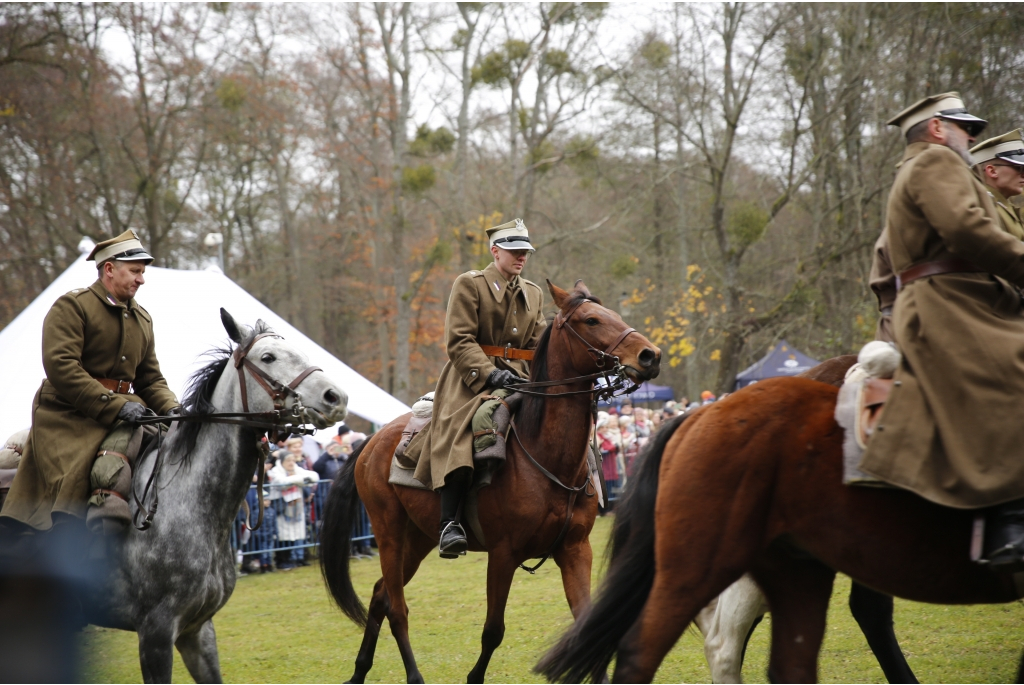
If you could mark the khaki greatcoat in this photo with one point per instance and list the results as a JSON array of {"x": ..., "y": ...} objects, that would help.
[
  {"x": 85, "y": 336},
  {"x": 483, "y": 309},
  {"x": 1009, "y": 214},
  {"x": 951, "y": 429},
  {"x": 883, "y": 284}
]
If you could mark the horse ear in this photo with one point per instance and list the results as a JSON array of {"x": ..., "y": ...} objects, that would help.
[
  {"x": 582, "y": 287},
  {"x": 230, "y": 326},
  {"x": 557, "y": 294}
]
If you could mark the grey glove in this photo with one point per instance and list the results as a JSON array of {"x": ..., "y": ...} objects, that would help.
[
  {"x": 131, "y": 411},
  {"x": 500, "y": 378}
]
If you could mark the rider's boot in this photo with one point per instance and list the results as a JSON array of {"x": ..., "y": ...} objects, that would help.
[
  {"x": 1005, "y": 538},
  {"x": 453, "y": 543}
]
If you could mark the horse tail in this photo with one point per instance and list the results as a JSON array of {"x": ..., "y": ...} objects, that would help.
[
  {"x": 339, "y": 519},
  {"x": 586, "y": 650}
]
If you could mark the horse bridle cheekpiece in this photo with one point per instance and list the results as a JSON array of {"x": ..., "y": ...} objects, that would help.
[
  {"x": 599, "y": 355},
  {"x": 278, "y": 392}
]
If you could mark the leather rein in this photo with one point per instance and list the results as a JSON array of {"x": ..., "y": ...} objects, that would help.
[
  {"x": 618, "y": 381},
  {"x": 269, "y": 424}
]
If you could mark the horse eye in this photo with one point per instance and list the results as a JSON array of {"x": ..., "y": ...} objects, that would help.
[
  {"x": 268, "y": 358},
  {"x": 591, "y": 321}
]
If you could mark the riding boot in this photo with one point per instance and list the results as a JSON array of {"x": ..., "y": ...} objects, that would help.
[
  {"x": 1005, "y": 539},
  {"x": 453, "y": 543}
]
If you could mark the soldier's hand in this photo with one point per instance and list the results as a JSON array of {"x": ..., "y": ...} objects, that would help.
[
  {"x": 131, "y": 411},
  {"x": 500, "y": 378}
]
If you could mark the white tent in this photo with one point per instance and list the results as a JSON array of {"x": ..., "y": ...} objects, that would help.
[{"x": 186, "y": 318}]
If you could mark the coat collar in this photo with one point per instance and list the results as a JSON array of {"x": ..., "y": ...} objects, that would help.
[
  {"x": 108, "y": 299},
  {"x": 497, "y": 284}
]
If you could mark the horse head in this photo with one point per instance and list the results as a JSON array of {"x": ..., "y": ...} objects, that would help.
[
  {"x": 594, "y": 332},
  {"x": 270, "y": 361}
]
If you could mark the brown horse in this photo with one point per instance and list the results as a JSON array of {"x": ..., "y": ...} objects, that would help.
[
  {"x": 754, "y": 483},
  {"x": 522, "y": 513}
]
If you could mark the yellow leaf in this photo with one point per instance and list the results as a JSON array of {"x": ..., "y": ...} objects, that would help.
[{"x": 716, "y": 355}]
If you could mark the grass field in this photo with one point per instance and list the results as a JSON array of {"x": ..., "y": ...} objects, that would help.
[{"x": 281, "y": 627}]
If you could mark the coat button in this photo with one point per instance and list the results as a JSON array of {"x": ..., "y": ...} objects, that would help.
[
  {"x": 515, "y": 330},
  {"x": 124, "y": 358},
  {"x": 104, "y": 397},
  {"x": 126, "y": 315},
  {"x": 473, "y": 373}
]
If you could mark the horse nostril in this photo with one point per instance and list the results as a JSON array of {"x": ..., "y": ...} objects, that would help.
[
  {"x": 647, "y": 358},
  {"x": 331, "y": 398}
]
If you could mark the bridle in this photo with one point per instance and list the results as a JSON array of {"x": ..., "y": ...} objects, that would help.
[
  {"x": 615, "y": 376},
  {"x": 270, "y": 425}
]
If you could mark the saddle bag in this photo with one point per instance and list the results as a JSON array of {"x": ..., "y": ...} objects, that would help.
[
  {"x": 422, "y": 410},
  {"x": 110, "y": 479}
]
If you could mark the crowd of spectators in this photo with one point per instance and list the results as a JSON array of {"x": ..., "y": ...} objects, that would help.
[
  {"x": 622, "y": 432},
  {"x": 293, "y": 498}
]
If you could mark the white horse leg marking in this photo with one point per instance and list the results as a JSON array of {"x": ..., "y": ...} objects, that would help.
[{"x": 725, "y": 623}]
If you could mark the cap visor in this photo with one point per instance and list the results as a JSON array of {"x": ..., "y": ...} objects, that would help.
[
  {"x": 971, "y": 123},
  {"x": 138, "y": 257},
  {"x": 1017, "y": 159},
  {"x": 518, "y": 245}
]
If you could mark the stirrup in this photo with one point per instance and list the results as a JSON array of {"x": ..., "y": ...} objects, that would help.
[{"x": 457, "y": 545}]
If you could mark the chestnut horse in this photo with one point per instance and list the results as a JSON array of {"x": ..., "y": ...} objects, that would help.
[
  {"x": 522, "y": 513},
  {"x": 753, "y": 483}
]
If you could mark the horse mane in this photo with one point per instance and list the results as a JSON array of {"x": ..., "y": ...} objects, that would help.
[
  {"x": 198, "y": 398},
  {"x": 531, "y": 413}
]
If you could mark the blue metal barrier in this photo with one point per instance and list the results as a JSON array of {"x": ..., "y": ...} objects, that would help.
[{"x": 269, "y": 540}]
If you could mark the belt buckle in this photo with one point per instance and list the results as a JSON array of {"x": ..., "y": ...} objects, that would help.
[{"x": 507, "y": 346}]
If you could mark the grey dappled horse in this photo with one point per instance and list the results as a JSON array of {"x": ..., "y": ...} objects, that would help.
[{"x": 168, "y": 581}]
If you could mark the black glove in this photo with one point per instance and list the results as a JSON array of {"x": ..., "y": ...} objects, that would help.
[
  {"x": 500, "y": 378},
  {"x": 131, "y": 411}
]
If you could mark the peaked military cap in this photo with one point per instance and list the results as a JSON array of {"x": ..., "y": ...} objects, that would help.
[
  {"x": 124, "y": 248},
  {"x": 510, "y": 236},
  {"x": 946, "y": 106},
  {"x": 1008, "y": 147}
]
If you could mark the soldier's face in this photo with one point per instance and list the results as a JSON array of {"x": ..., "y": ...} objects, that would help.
[
  {"x": 123, "y": 279},
  {"x": 1008, "y": 179},
  {"x": 510, "y": 262}
]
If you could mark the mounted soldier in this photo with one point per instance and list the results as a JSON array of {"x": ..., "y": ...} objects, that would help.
[
  {"x": 494, "y": 318},
  {"x": 950, "y": 431},
  {"x": 99, "y": 355},
  {"x": 999, "y": 163}
]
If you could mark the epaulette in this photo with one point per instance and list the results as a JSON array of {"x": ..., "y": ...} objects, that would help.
[
  {"x": 475, "y": 273},
  {"x": 78, "y": 292}
]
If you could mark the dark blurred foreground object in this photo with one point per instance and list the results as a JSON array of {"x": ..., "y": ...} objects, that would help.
[{"x": 42, "y": 576}]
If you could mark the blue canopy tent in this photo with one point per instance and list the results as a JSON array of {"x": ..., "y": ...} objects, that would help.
[
  {"x": 781, "y": 360},
  {"x": 647, "y": 392}
]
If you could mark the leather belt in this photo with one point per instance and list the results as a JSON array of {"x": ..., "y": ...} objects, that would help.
[
  {"x": 507, "y": 352},
  {"x": 936, "y": 268},
  {"x": 120, "y": 387}
]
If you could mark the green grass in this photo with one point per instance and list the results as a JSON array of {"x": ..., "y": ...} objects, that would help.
[{"x": 281, "y": 627}]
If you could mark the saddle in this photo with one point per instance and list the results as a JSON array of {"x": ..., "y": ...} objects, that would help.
[
  {"x": 859, "y": 406},
  {"x": 871, "y": 399}
]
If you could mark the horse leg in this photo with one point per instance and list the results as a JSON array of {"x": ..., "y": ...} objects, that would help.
[
  {"x": 376, "y": 612},
  {"x": 156, "y": 647},
  {"x": 198, "y": 650},
  {"x": 500, "y": 569},
  {"x": 416, "y": 546},
  {"x": 576, "y": 561},
  {"x": 730, "y": 626},
  {"x": 798, "y": 591},
  {"x": 873, "y": 612}
]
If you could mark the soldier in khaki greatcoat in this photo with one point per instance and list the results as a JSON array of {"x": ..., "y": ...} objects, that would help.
[
  {"x": 100, "y": 361},
  {"x": 490, "y": 308},
  {"x": 951, "y": 430},
  {"x": 999, "y": 163}
]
